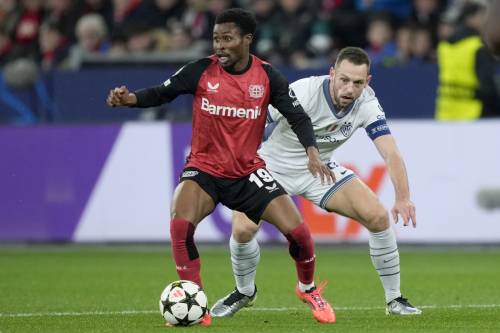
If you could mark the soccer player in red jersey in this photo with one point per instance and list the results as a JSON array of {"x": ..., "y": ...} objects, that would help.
[
  {"x": 492, "y": 29},
  {"x": 232, "y": 90}
]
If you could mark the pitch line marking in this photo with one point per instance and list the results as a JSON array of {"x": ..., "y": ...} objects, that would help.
[{"x": 136, "y": 312}]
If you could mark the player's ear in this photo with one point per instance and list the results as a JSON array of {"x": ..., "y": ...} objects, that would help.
[
  {"x": 368, "y": 79},
  {"x": 248, "y": 38},
  {"x": 332, "y": 72}
]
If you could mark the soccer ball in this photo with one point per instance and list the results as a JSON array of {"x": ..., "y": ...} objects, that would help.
[{"x": 183, "y": 303}]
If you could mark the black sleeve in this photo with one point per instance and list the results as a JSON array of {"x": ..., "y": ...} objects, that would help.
[
  {"x": 284, "y": 100},
  {"x": 487, "y": 91},
  {"x": 184, "y": 81}
]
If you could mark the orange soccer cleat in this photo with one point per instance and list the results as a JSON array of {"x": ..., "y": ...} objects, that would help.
[
  {"x": 320, "y": 307},
  {"x": 206, "y": 320}
]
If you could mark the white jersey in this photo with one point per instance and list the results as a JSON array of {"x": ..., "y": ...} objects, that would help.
[{"x": 282, "y": 150}]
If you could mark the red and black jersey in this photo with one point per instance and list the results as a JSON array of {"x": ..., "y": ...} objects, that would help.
[{"x": 229, "y": 113}]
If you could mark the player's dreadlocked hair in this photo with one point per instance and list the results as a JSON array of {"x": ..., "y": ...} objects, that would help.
[
  {"x": 244, "y": 19},
  {"x": 355, "y": 55}
]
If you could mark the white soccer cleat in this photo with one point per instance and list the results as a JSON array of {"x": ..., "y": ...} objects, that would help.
[
  {"x": 232, "y": 303},
  {"x": 401, "y": 307}
]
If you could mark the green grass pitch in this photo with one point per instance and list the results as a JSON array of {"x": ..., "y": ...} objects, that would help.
[{"x": 116, "y": 289}]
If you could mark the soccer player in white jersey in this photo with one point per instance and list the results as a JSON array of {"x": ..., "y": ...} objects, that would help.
[{"x": 338, "y": 104}]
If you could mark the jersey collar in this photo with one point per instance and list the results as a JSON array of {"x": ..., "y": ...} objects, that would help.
[{"x": 329, "y": 100}]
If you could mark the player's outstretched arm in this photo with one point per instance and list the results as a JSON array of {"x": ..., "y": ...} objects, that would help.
[
  {"x": 403, "y": 206},
  {"x": 120, "y": 96}
]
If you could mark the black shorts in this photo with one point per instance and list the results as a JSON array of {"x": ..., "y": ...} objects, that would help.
[{"x": 250, "y": 194}]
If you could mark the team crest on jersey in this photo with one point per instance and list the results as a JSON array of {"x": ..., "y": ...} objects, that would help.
[
  {"x": 256, "y": 90},
  {"x": 213, "y": 87},
  {"x": 346, "y": 129}
]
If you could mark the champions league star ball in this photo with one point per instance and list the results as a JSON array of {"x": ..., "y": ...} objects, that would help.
[{"x": 183, "y": 303}]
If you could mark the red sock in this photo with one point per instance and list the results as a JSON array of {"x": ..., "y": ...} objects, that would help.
[
  {"x": 301, "y": 248},
  {"x": 187, "y": 259}
]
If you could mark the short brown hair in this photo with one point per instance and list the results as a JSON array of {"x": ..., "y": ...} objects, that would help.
[{"x": 355, "y": 55}]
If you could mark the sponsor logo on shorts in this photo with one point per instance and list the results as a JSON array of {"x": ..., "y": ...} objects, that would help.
[
  {"x": 343, "y": 172},
  {"x": 189, "y": 173},
  {"x": 332, "y": 165},
  {"x": 272, "y": 188}
]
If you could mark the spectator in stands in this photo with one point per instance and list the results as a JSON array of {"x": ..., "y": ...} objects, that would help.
[
  {"x": 422, "y": 50},
  {"x": 427, "y": 13},
  {"x": 380, "y": 35},
  {"x": 198, "y": 19},
  {"x": 218, "y": 6},
  {"x": 183, "y": 47},
  {"x": 139, "y": 39},
  {"x": 158, "y": 13},
  {"x": 92, "y": 38},
  {"x": 403, "y": 45},
  {"x": 29, "y": 19},
  {"x": 60, "y": 13},
  {"x": 320, "y": 45},
  {"x": 467, "y": 89},
  {"x": 291, "y": 32},
  {"x": 9, "y": 12},
  {"x": 264, "y": 12},
  {"x": 53, "y": 45},
  {"x": 126, "y": 13},
  {"x": 5, "y": 47},
  {"x": 347, "y": 24},
  {"x": 445, "y": 29},
  {"x": 101, "y": 7}
]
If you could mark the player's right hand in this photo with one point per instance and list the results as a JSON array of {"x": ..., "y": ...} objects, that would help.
[
  {"x": 120, "y": 96},
  {"x": 406, "y": 209},
  {"x": 318, "y": 168}
]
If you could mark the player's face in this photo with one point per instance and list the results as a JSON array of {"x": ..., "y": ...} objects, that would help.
[
  {"x": 231, "y": 47},
  {"x": 347, "y": 82}
]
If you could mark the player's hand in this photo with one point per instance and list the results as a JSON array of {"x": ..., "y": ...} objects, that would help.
[
  {"x": 318, "y": 168},
  {"x": 120, "y": 96},
  {"x": 407, "y": 210}
]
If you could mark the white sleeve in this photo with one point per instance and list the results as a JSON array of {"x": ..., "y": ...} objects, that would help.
[
  {"x": 273, "y": 115},
  {"x": 374, "y": 120}
]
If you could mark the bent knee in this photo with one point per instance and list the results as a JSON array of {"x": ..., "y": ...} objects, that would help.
[
  {"x": 244, "y": 229},
  {"x": 244, "y": 233},
  {"x": 378, "y": 220}
]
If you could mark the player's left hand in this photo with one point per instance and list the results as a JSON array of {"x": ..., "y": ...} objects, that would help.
[
  {"x": 407, "y": 210},
  {"x": 318, "y": 168}
]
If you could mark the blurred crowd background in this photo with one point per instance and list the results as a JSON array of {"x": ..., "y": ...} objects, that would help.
[
  {"x": 299, "y": 33},
  {"x": 45, "y": 35}
]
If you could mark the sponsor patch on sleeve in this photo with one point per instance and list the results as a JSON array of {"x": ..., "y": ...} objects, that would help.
[{"x": 377, "y": 128}]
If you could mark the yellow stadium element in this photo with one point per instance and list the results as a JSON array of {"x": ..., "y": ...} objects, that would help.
[{"x": 456, "y": 96}]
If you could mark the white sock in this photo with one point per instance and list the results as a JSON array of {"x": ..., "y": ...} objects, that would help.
[
  {"x": 305, "y": 287},
  {"x": 385, "y": 258},
  {"x": 244, "y": 258}
]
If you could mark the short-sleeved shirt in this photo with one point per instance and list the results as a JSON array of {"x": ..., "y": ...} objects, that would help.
[{"x": 332, "y": 128}]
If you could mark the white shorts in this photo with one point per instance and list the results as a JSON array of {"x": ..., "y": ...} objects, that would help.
[{"x": 305, "y": 185}]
